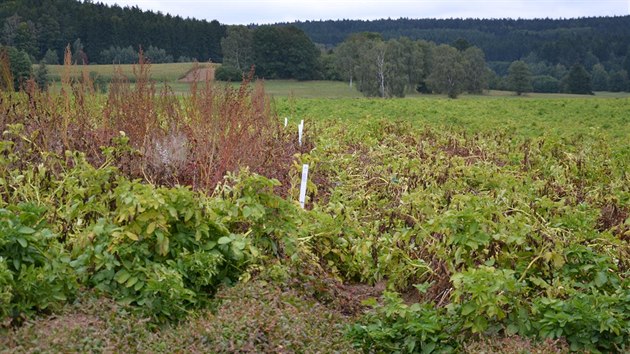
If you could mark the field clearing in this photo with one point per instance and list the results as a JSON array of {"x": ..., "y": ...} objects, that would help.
[{"x": 170, "y": 72}]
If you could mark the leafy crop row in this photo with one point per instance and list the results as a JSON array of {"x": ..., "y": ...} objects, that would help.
[
  {"x": 506, "y": 234},
  {"x": 482, "y": 229}
]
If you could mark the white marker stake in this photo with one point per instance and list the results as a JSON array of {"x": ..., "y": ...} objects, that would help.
[
  {"x": 300, "y": 131},
  {"x": 303, "y": 185},
  {"x": 286, "y": 121}
]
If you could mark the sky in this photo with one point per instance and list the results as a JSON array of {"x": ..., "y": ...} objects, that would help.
[{"x": 272, "y": 11}]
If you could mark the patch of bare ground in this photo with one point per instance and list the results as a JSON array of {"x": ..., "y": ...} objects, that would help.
[
  {"x": 471, "y": 155},
  {"x": 349, "y": 298},
  {"x": 613, "y": 217},
  {"x": 199, "y": 74}
]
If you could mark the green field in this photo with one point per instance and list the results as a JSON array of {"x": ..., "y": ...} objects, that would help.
[
  {"x": 169, "y": 73},
  {"x": 481, "y": 224}
]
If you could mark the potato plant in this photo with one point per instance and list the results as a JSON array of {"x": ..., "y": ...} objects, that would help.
[{"x": 491, "y": 217}]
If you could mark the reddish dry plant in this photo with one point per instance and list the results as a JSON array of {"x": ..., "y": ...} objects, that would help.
[
  {"x": 193, "y": 139},
  {"x": 6, "y": 77}
]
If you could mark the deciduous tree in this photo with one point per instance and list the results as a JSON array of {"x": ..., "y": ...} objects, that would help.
[
  {"x": 284, "y": 53},
  {"x": 475, "y": 69},
  {"x": 447, "y": 75},
  {"x": 579, "y": 81},
  {"x": 237, "y": 48},
  {"x": 599, "y": 78},
  {"x": 519, "y": 77}
]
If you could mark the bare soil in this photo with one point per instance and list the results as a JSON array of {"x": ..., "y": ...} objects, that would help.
[{"x": 198, "y": 74}]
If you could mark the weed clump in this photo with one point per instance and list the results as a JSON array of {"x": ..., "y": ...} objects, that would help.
[{"x": 194, "y": 139}]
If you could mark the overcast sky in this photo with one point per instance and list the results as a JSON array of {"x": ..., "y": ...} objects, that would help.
[{"x": 271, "y": 11}]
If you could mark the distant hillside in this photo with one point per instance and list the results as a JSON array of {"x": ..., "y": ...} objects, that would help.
[
  {"x": 38, "y": 25},
  {"x": 105, "y": 34},
  {"x": 556, "y": 41}
]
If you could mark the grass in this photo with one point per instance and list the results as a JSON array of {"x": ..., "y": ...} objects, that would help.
[
  {"x": 250, "y": 317},
  {"x": 310, "y": 89},
  {"x": 160, "y": 72},
  {"x": 528, "y": 116},
  {"x": 171, "y": 73}
]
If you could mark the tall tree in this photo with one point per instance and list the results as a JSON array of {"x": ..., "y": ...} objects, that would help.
[
  {"x": 41, "y": 76},
  {"x": 382, "y": 67},
  {"x": 599, "y": 78},
  {"x": 413, "y": 60},
  {"x": 20, "y": 64},
  {"x": 545, "y": 84},
  {"x": 284, "y": 53},
  {"x": 78, "y": 54},
  {"x": 10, "y": 29},
  {"x": 461, "y": 44},
  {"x": 519, "y": 77},
  {"x": 237, "y": 48},
  {"x": 626, "y": 61},
  {"x": 448, "y": 75},
  {"x": 619, "y": 81},
  {"x": 399, "y": 56},
  {"x": 348, "y": 54},
  {"x": 579, "y": 81},
  {"x": 476, "y": 70},
  {"x": 26, "y": 39},
  {"x": 346, "y": 57}
]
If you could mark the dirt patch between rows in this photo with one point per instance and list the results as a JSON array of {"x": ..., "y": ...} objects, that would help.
[{"x": 198, "y": 74}]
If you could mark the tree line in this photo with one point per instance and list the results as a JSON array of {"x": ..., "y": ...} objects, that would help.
[
  {"x": 396, "y": 67},
  {"x": 556, "y": 41},
  {"x": 43, "y": 28},
  {"x": 400, "y": 56}
]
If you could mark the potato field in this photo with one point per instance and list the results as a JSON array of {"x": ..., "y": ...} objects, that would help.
[{"x": 142, "y": 220}]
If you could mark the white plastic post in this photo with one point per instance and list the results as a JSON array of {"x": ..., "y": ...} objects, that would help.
[
  {"x": 300, "y": 131},
  {"x": 303, "y": 185},
  {"x": 286, "y": 121}
]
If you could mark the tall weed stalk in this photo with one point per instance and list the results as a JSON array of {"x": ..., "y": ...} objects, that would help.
[{"x": 194, "y": 139}]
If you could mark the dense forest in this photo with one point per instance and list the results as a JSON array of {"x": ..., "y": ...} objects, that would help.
[
  {"x": 595, "y": 49},
  {"x": 37, "y": 26},
  {"x": 558, "y": 41}
]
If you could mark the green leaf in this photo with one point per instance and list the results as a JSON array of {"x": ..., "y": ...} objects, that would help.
[
  {"x": 428, "y": 348},
  {"x": 224, "y": 240},
  {"x": 131, "y": 282},
  {"x": 151, "y": 228},
  {"x": 59, "y": 297},
  {"x": 22, "y": 241},
  {"x": 25, "y": 230},
  {"x": 479, "y": 324},
  {"x": 370, "y": 301},
  {"x": 601, "y": 278},
  {"x": 132, "y": 236},
  {"x": 139, "y": 285},
  {"x": 240, "y": 244},
  {"x": 189, "y": 214},
  {"x": 122, "y": 276},
  {"x": 467, "y": 309},
  {"x": 247, "y": 211},
  {"x": 162, "y": 243}
]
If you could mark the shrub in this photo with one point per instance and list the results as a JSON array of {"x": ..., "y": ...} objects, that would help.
[
  {"x": 396, "y": 327},
  {"x": 35, "y": 273},
  {"x": 545, "y": 84},
  {"x": 228, "y": 73}
]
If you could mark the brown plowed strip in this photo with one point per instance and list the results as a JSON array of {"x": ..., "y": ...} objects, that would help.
[{"x": 199, "y": 74}]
